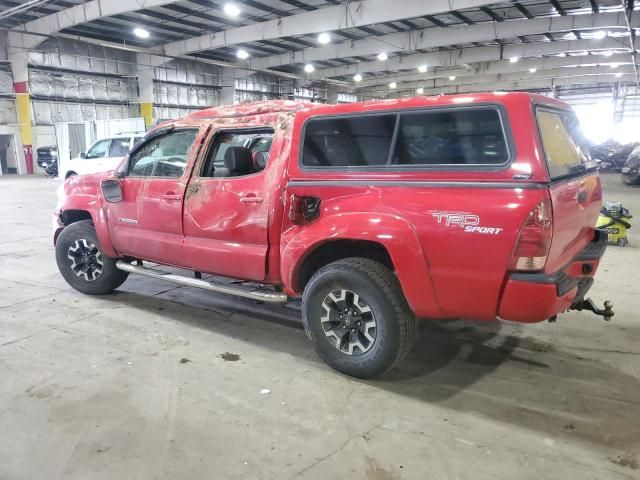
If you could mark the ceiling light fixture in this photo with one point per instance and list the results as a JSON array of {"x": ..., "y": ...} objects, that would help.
[
  {"x": 393, "y": 85},
  {"x": 420, "y": 91},
  {"x": 140, "y": 32},
  {"x": 614, "y": 65},
  {"x": 452, "y": 77},
  {"x": 382, "y": 56},
  {"x": 533, "y": 70},
  {"x": 422, "y": 69},
  {"x": 608, "y": 53},
  {"x": 232, "y": 10},
  {"x": 357, "y": 77},
  {"x": 309, "y": 68},
  {"x": 599, "y": 35},
  {"x": 242, "y": 54},
  {"x": 514, "y": 59},
  {"x": 324, "y": 38},
  {"x": 618, "y": 74}
]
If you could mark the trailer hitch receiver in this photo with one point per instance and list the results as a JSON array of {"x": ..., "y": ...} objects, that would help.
[{"x": 588, "y": 304}]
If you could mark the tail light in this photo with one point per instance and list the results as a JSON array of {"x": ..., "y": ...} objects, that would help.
[{"x": 534, "y": 239}]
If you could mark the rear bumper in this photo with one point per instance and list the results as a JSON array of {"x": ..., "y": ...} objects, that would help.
[{"x": 534, "y": 297}]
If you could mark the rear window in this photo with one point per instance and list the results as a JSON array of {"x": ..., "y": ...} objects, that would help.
[
  {"x": 460, "y": 137},
  {"x": 565, "y": 147}
]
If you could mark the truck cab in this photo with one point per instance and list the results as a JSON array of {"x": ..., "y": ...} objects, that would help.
[{"x": 479, "y": 206}]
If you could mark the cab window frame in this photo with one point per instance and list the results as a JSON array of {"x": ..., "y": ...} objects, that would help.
[
  {"x": 395, "y": 167},
  {"x": 154, "y": 135},
  {"x": 213, "y": 144}
]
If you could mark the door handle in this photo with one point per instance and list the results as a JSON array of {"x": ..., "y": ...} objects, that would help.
[
  {"x": 252, "y": 199},
  {"x": 171, "y": 197}
]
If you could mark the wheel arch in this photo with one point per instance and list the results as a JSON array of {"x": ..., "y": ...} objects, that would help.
[
  {"x": 69, "y": 216},
  {"x": 330, "y": 251},
  {"x": 387, "y": 239}
]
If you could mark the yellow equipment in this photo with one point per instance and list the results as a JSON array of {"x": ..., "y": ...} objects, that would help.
[{"x": 614, "y": 219}]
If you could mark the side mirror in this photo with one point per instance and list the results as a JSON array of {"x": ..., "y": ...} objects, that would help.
[
  {"x": 111, "y": 190},
  {"x": 83, "y": 155}
]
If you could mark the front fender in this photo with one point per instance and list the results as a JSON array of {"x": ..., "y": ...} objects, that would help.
[
  {"x": 83, "y": 193},
  {"x": 395, "y": 234}
]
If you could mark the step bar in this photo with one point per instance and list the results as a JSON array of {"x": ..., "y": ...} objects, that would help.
[{"x": 264, "y": 296}]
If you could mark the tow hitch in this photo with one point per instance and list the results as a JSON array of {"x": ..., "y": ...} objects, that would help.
[{"x": 606, "y": 312}]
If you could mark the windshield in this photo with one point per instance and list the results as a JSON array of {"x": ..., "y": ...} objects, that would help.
[{"x": 565, "y": 147}]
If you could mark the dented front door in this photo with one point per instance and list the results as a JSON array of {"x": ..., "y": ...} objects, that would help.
[{"x": 147, "y": 223}]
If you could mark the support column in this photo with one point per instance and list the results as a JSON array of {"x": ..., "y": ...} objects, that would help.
[
  {"x": 228, "y": 90},
  {"x": 145, "y": 88},
  {"x": 19, "y": 69},
  {"x": 332, "y": 96}
]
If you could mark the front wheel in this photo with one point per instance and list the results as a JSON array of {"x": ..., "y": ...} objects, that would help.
[
  {"x": 82, "y": 263},
  {"x": 356, "y": 315}
]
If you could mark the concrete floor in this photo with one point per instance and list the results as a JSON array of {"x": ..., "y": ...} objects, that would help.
[{"x": 134, "y": 386}]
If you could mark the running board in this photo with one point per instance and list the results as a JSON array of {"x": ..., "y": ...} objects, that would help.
[{"x": 271, "y": 297}]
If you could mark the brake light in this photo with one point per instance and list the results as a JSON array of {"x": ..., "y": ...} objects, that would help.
[{"x": 534, "y": 239}]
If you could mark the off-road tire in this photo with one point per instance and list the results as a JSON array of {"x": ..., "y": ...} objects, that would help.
[
  {"x": 109, "y": 279},
  {"x": 379, "y": 289}
]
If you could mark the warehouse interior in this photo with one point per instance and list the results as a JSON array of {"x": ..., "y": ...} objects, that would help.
[{"x": 162, "y": 381}]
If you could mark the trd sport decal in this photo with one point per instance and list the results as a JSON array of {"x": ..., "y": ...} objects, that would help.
[{"x": 468, "y": 222}]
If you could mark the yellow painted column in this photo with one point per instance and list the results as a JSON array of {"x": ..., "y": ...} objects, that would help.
[
  {"x": 23, "y": 109},
  {"x": 146, "y": 112}
]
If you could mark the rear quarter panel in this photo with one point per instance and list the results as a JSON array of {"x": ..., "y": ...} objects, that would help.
[{"x": 445, "y": 271}]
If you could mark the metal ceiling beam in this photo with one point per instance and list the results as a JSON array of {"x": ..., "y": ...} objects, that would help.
[
  {"x": 524, "y": 84},
  {"x": 458, "y": 57},
  {"x": 435, "y": 37},
  {"x": 504, "y": 67},
  {"x": 553, "y": 73},
  {"x": 349, "y": 15},
  {"x": 76, "y": 15}
]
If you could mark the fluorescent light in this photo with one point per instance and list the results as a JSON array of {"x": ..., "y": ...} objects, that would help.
[
  {"x": 393, "y": 85},
  {"x": 242, "y": 54},
  {"x": 533, "y": 70},
  {"x": 140, "y": 32},
  {"x": 309, "y": 68},
  {"x": 382, "y": 56},
  {"x": 357, "y": 77},
  {"x": 513, "y": 59},
  {"x": 120, "y": 47},
  {"x": 231, "y": 9},
  {"x": 452, "y": 77},
  {"x": 608, "y": 53},
  {"x": 422, "y": 68},
  {"x": 324, "y": 38},
  {"x": 600, "y": 34},
  {"x": 420, "y": 91}
]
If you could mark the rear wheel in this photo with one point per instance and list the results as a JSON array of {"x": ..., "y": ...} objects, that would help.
[
  {"x": 83, "y": 264},
  {"x": 355, "y": 314}
]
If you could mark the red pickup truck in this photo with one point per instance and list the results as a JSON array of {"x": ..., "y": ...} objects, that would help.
[{"x": 479, "y": 206}]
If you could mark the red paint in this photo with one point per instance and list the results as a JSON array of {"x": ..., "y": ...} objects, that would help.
[
  {"x": 21, "y": 87},
  {"x": 28, "y": 157},
  {"x": 444, "y": 272}
]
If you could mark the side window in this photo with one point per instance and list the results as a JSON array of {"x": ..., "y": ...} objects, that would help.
[
  {"x": 348, "y": 142},
  {"x": 163, "y": 156},
  {"x": 235, "y": 154},
  {"x": 98, "y": 150},
  {"x": 456, "y": 137},
  {"x": 119, "y": 147}
]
